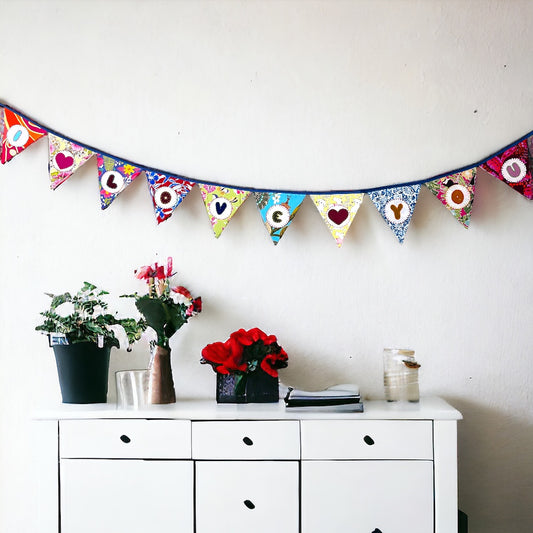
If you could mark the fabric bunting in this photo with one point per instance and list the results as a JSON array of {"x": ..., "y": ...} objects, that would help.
[
  {"x": 396, "y": 205},
  {"x": 18, "y": 133},
  {"x": 221, "y": 204},
  {"x": 114, "y": 176},
  {"x": 511, "y": 167},
  {"x": 277, "y": 211},
  {"x": 65, "y": 158},
  {"x": 338, "y": 212},
  {"x": 167, "y": 193},
  {"x": 456, "y": 192}
]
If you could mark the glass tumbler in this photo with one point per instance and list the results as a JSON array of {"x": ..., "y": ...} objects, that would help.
[
  {"x": 400, "y": 375},
  {"x": 132, "y": 388}
]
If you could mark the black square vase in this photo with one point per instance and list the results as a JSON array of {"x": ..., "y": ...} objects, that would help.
[{"x": 259, "y": 387}]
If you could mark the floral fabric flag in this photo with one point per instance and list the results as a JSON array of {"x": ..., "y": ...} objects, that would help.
[
  {"x": 396, "y": 205},
  {"x": 167, "y": 193},
  {"x": 18, "y": 133},
  {"x": 1, "y": 123},
  {"x": 65, "y": 158},
  {"x": 338, "y": 212},
  {"x": 221, "y": 204},
  {"x": 511, "y": 167},
  {"x": 277, "y": 211},
  {"x": 114, "y": 176},
  {"x": 456, "y": 192}
]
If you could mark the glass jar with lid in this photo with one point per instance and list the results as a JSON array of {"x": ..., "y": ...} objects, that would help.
[{"x": 400, "y": 375}]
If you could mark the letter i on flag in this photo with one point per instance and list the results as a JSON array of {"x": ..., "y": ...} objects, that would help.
[
  {"x": 456, "y": 192},
  {"x": 338, "y": 212},
  {"x": 221, "y": 204},
  {"x": 18, "y": 133},
  {"x": 65, "y": 158},
  {"x": 167, "y": 193},
  {"x": 396, "y": 205},
  {"x": 114, "y": 176},
  {"x": 277, "y": 211}
]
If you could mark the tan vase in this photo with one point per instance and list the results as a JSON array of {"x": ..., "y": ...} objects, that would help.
[{"x": 160, "y": 382}]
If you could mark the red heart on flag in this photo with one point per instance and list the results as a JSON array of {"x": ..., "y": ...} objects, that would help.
[
  {"x": 64, "y": 161},
  {"x": 338, "y": 216}
]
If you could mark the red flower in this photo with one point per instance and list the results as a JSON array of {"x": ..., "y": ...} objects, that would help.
[
  {"x": 183, "y": 291},
  {"x": 273, "y": 361},
  {"x": 225, "y": 357},
  {"x": 195, "y": 307},
  {"x": 247, "y": 338},
  {"x": 145, "y": 272}
]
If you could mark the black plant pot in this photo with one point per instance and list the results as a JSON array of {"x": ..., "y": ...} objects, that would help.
[
  {"x": 259, "y": 387},
  {"x": 83, "y": 371}
]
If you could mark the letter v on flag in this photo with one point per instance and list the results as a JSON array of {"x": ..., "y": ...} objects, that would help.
[
  {"x": 114, "y": 176},
  {"x": 17, "y": 134}
]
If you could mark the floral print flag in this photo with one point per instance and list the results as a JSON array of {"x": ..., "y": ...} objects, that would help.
[
  {"x": 511, "y": 167},
  {"x": 396, "y": 205},
  {"x": 65, "y": 158},
  {"x": 167, "y": 193},
  {"x": 221, "y": 204},
  {"x": 277, "y": 211},
  {"x": 114, "y": 176},
  {"x": 338, "y": 212},
  {"x": 17, "y": 134},
  {"x": 456, "y": 192}
]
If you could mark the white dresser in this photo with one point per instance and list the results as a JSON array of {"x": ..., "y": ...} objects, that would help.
[{"x": 200, "y": 467}]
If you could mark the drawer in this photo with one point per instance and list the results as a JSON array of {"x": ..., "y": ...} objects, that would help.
[
  {"x": 125, "y": 439},
  {"x": 367, "y": 439},
  {"x": 246, "y": 440}
]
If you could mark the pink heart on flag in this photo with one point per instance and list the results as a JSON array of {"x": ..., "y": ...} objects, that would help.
[
  {"x": 64, "y": 161},
  {"x": 338, "y": 216}
]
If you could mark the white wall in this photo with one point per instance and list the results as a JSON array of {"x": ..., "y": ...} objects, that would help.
[{"x": 289, "y": 94}]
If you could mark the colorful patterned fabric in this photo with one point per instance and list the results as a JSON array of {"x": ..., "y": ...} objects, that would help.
[
  {"x": 221, "y": 204},
  {"x": 511, "y": 167},
  {"x": 456, "y": 192},
  {"x": 18, "y": 133},
  {"x": 277, "y": 211},
  {"x": 1, "y": 123},
  {"x": 114, "y": 176},
  {"x": 396, "y": 205},
  {"x": 65, "y": 158},
  {"x": 167, "y": 193},
  {"x": 338, "y": 212}
]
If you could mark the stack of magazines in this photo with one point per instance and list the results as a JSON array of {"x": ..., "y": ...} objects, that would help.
[{"x": 346, "y": 397}]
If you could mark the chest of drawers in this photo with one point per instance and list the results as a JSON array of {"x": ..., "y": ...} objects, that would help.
[{"x": 205, "y": 468}]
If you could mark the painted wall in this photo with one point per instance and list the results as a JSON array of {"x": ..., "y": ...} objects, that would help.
[{"x": 290, "y": 94}]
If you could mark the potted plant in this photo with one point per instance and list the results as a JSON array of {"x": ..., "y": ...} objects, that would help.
[
  {"x": 82, "y": 340},
  {"x": 165, "y": 309},
  {"x": 247, "y": 366}
]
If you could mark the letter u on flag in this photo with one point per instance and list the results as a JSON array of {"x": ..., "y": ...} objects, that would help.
[
  {"x": 17, "y": 134},
  {"x": 396, "y": 205},
  {"x": 114, "y": 176},
  {"x": 167, "y": 193}
]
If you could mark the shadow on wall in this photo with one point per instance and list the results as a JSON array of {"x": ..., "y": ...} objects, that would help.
[{"x": 495, "y": 469}]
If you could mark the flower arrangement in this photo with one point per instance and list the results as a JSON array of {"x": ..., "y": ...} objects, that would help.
[
  {"x": 246, "y": 352},
  {"x": 87, "y": 320},
  {"x": 164, "y": 308}
]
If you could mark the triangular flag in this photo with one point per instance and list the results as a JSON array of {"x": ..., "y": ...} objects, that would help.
[
  {"x": 511, "y": 166},
  {"x": 396, "y": 205},
  {"x": 277, "y": 211},
  {"x": 221, "y": 204},
  {"x": 456, "y": 192},
  {"x": 338, "y": 212},
  {"x": 167, "y": 193},
  {"x": 530, "y": 149},
  {"x": 1, "y": 123},
  {"x": 17, "y": 135},
  {"x": 65, "y": 158},
  {"x": 114, "y": 176}
]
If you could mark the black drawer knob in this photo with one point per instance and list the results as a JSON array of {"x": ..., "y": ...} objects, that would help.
[
  {"x": 370, "y": 441},
  {"x": 248, "y": 441},
  {"x": 125, "y": 438},
  {"x": 377, "y": 531},
  {"x": 249, "y": 504}
]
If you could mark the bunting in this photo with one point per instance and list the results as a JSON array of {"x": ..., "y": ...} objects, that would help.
[
  {"x": 65, "y": 158},
  {"x": 338, "y": 212},
  {"x": 167, "y": 193},
  {"x": 221, "y": 204},
  {"x": 455, "y": 190},
  {"x": 114, "y": 176},
  {"x": 18, "y": 133}
]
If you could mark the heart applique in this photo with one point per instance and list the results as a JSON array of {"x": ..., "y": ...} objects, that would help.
[
  {"x": 64, "y": 161},
  {"x": 338, "y": 216},
  {"x": 220, "y": 207}
]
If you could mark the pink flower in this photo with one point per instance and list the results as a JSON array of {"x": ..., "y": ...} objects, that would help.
[
  {"x": 145, "y": 272},
  {"x": 183, "y": 291}
]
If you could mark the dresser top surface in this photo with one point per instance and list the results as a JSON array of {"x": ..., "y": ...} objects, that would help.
[{"x": 429, "y": 408}]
